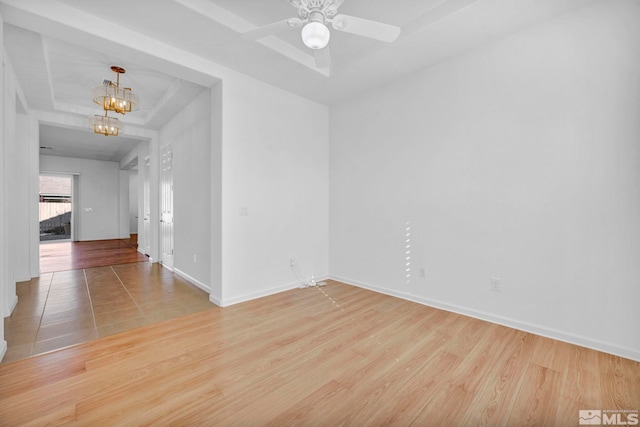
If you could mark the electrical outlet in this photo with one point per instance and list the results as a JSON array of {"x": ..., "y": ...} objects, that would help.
[
  {"x": 292, "y": 262},
  {"x": 495, "y": 284},
  {"x": 195, "y": 258},
  {"x": 423, "y": 272}
]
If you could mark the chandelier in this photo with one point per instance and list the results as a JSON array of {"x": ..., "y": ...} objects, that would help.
[
  {"x": 105, "y": 125},
  {"x": 112, "y": 97}
]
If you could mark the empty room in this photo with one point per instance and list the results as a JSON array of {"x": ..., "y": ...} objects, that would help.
[{"x": 320, "y": 212}]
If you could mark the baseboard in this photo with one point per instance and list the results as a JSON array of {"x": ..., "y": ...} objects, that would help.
[
  {"x": 263, "y": 293},
  {"x": 192, "y": 280},
  {"x": 628, "y": 353},
  {"x": 12, "y": 304},
  {"x": 22, "y": 279},
  {"x": 3, "y": 349},
  {"x": 216, "y": 300}
]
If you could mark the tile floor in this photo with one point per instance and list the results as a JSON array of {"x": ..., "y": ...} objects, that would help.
[{"x": 63, "y": 308}]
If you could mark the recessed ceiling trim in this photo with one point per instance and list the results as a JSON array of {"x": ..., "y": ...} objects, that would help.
[
  {"x": 441, "y": 11},
  {"x": 83, "y": 29},
  {"x": 22, "y": 100},
  {"x": 166, "y": 97},
  {"x": 80, "y": 123},
  {"x": 434, "y": 15},
  {"x": 73, "y": 109},
  {"x": 47, "y": 63},
  {"x": 87, "y": 111},
  {"x": 218, "y": 14}
]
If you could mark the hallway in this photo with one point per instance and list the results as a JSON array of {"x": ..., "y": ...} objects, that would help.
[{"x": 63, "y": 308}]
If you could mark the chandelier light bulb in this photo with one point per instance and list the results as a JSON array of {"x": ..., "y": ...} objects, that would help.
[{"x": 315, "y": 35}]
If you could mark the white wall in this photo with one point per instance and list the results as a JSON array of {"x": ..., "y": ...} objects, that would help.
[
  {"x": 133, "y": 201},
  {"x": 99, "y": 191},
  {"x": 275, "y": 164},
  {"x": 215, "y": 206},
  {"x": 189, "y": 134},
  {"x": 3, "y": 200},
  {"x": 19, "y": 196},
  {"x": 15, "y": 183},
  {"x": 123, "y": 204},
  {"x": 33, "y": 212},
  {"x": 519, "y": 160}
]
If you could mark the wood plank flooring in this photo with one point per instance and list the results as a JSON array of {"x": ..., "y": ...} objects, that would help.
[
  {"x": 336, "y": 355},
  {"x": 61, "y": 256}
]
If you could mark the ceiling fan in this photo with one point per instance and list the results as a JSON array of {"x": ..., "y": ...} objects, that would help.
[{"x": 314, "y": 16}]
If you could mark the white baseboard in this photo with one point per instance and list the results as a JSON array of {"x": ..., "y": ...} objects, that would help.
[
  {"x": 192, "y": 280},
  {"x": 12, "y": 304},
  {"x": 3, "y": 349},
  {"x": 628, "y": 353},
  {"x": 216, "y": 300},
  {"x": 225, "y": 302}
]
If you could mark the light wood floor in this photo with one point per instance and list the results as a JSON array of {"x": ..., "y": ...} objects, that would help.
[{"x": 337, "y": 355}]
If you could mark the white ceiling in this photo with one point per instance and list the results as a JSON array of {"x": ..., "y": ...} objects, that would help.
[
  {"x": 172, "y": 50},
  {"x": 65, "y": 142}
]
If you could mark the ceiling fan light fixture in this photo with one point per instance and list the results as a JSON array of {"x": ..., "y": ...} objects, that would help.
[{"x": 315, "y": 35}]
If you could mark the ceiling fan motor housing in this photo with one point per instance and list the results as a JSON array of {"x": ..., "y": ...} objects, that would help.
[{"x": 316, "y": 10}]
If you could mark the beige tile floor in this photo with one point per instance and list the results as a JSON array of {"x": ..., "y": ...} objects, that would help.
[{"x": 64, "y": 308}]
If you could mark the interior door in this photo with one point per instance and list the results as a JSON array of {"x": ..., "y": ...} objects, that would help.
[
  {"x": 166, "y": 206},
  {"x": 146, "y": 207}
]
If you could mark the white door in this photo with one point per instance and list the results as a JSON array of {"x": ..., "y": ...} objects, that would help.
[
  {"x": 146, "y": 207},
  {"x": 166, "y": 206}
]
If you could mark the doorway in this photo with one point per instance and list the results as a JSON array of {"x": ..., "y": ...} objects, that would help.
[{"x": 55, "y": 207}]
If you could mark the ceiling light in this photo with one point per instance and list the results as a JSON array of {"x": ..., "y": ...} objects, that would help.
[
  {"x": 315, "y": 35},
  {"x": 112, "y": 97},
  {"x": 107, "y": 126}
]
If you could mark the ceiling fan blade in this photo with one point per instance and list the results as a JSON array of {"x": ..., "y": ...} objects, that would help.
[
  {"x": 271, "y": 29},
  {"x": 322, "y": 57},
  {"x": 364, "y": 27}
]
